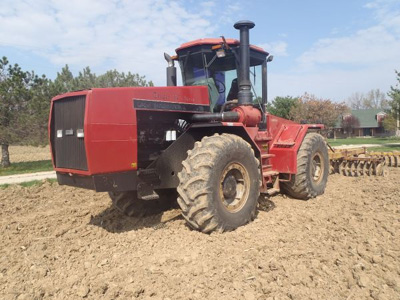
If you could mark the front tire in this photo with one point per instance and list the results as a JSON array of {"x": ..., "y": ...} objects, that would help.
[
  {"x": 312, "y": 169},
  {"x": 219, "y": 184}
]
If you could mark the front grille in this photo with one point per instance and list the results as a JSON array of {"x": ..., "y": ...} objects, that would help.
[{"x": 68, "y": 116}]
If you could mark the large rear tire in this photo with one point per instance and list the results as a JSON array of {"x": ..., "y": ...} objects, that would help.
[
  {"x": 129, "y": 204},
  {"x": 312, "y": 169},
  {"x": 219, "y": 184}
]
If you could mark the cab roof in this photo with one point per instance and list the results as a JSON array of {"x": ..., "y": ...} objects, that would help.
[{"x": 217, "y": 41}]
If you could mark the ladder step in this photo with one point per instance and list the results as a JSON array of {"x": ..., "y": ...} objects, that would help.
[
  {"x": 270, "y": 173},
  {"x": 273, "y": 191},
  {"x": 262, "y": 137},
  {"x": 266, "y": 167},
  {"x": 267, "y": 155},
  {"x": 284, "y": 144}
]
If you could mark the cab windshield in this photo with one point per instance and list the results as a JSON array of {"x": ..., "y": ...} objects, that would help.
[{"x": 219, "y": 74}]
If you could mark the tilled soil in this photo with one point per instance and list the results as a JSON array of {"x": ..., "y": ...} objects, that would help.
[{"x": 66, "y": 243}]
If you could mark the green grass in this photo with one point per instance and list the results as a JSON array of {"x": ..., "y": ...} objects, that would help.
[
  {"x": 359, "y": 141},
  {"x": 386, "y": 148},
  {"x": 29, "y": 183},
  {"x": 27, "y": 167}
]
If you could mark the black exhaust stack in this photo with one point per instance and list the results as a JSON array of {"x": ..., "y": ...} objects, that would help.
[
  {"x": 171, "y": 70},
  {"x": 245, "y": 96}
]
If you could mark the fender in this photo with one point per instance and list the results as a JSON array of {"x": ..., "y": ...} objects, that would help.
[
  {"x": 286, "y": 144},
  {"x": 169, "y": 164}
]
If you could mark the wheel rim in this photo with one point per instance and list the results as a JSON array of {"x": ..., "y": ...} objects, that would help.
[
  {"x": 317, "y": 168},
  {"x": 234, "y": 187}
]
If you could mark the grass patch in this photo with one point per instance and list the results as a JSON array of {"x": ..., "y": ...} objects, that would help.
[
  {"x": 360, "y": 141},
  {"x": 29, "y": 183},
  {"x": 385, "y": 148},
  {"x": 27, "y": 167}
]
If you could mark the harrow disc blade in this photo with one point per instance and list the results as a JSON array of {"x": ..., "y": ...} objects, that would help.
[
  {"x": 396, "y": 161},
  {"x": 381, "y": 169},
  {"x": 342, "y": 168},
  {"x": 360, "y": 167},
  {"x": 348, "y": 168},
  {"x": 353, "y": 168}
]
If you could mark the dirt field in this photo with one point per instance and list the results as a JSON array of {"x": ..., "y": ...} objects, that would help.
[
  {"x": 29, "y": 153},
  {"x": 66, "y": 243}
]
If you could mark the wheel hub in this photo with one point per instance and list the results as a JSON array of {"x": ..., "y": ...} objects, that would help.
[
  {"x": 234, "y": 187},
  {"x": 317, "y": 167},
  {"x": 229, "y": 187}
]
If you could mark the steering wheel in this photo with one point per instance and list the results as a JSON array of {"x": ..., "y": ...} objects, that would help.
[{"x": 220, "y": 85}]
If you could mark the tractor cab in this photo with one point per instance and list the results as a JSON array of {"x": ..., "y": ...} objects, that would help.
[{"x": 215, "y": 63}]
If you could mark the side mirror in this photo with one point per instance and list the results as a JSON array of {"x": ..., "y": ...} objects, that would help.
[{"x": 169, "y": 59}]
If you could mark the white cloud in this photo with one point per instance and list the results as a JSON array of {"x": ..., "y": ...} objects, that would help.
[
  {"x": 372, "y": 45},
  {"x": 130, "y": 35},
  {"x": 332, "y": 84},
  {"x": 277, "y": 48},
  {"x": 378, "y": 44},
  {"x": 337, "y": 67}
]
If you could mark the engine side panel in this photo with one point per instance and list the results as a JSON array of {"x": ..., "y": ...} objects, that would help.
[{"x": 110, "y": 125}]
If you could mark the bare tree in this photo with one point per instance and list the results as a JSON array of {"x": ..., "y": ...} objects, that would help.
[
  {"x": 355, "y": 101},
  {"x": 373, "y": 99},
  {"x": 350, "y": 122}
]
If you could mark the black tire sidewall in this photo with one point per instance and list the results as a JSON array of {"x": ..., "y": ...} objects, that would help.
[
  {"x": 238, "y": 153},
  {"x": 318, "y": 147}
]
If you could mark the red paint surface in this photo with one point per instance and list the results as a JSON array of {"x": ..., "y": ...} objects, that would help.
[
  {"x": 216, "y": 41},
  {"x": 249, "y": 115},
  {"x": 110, "y": 123},
  {"x": 290, "y": 133},
  {"x": 111, "y": 127}
]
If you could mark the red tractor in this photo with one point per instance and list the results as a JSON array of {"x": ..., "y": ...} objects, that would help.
[{"x": 217, "y": 149}]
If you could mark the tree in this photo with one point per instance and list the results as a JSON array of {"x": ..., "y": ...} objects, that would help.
[
  {"x": 64, "y": 82},
  {"x": 394, "y": 94},
  {"x": 281, "y": 106},
  {"x": 310, "y": 109},
  {"x": 85, "y": 80},
  {"x": 14, "y": 101},
  {"x": 113, "y": 78},
  {"x": 25, "y": 100},
  {"x": 355, "y": 101},
  {"x": 349, "y": 122},
  {"x": 37, "y": 113},
  {"x": 390, "y": 123},
  {"x": 373, "y": 99},
  {"x": 376, "y": 99}
]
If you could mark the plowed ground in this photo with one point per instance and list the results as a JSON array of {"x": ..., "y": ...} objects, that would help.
[{"x": 66, "y": 243}]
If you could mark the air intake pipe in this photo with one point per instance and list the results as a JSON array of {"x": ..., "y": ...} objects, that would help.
[
  {"x": 228, "y": 116},
  {"x": 245, "y": 97}
]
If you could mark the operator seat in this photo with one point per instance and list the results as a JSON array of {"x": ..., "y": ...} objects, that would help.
[
  {"x": 212, "y": 90},
  {"x": 233, "y": 91}
]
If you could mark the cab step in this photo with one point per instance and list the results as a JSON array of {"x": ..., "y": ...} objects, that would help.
[
  {"x": 267, "y": 155},
  {"x": 270, "y": 173},
  {"x": 273, "y": 191}
]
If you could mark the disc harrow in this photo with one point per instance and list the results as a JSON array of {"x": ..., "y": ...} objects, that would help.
[
  {"x": 357, "y": 162},
  {"x": 392, "y": 159}
]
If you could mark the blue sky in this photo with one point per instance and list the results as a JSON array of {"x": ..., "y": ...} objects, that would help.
[{"x": 328, "y": 48}]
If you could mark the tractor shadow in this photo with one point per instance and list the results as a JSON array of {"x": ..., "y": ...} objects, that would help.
[
  {"x": 115, "y": 222},
  {"x": 265, "y": 204}
]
